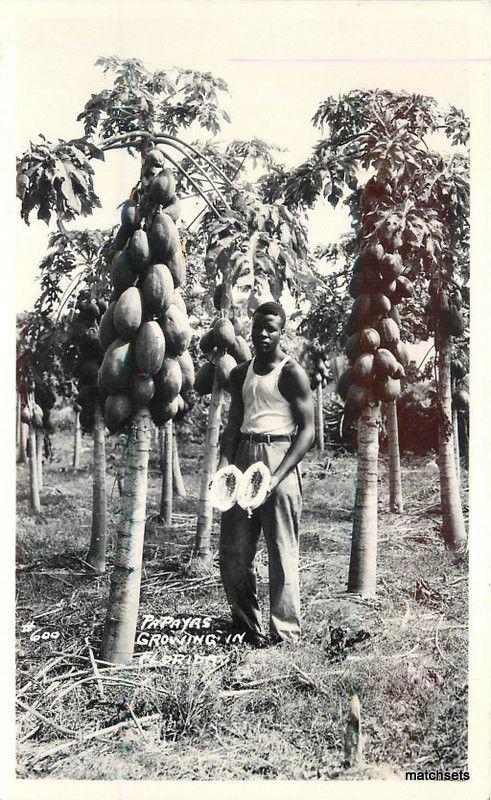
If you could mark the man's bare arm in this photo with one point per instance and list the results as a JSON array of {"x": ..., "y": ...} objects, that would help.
[
  {"x": 294, "y": 386},
  {"x": 231, "y": 433}
]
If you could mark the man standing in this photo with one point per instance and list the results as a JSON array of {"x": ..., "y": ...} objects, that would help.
[{"x": 271, "y": 419}]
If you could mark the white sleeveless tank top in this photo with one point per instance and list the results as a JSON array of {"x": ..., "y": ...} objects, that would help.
[{"x": 265, "y": 408}]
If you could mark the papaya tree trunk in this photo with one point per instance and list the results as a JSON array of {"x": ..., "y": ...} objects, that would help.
[
  {"x": 39, "y": 457},
  {"x": 166, "y": 496},
  {"x": 179, "y": 487},
  {"x": 453, "y": 526},
  {"x": 118, "y": 640},
  {"x": 18, "y": 427},
  {"x": 97, "y": 549},
  {"x": 455, "y": 426},
  {"x": 396, "y": 503},
  {"x": 24, "y": 435},
  {"x": 77, "y": 441},
  {"x": 363, "y": 559},
  {"x": 33, "y": 471},
  {"x": 319, "y": 417},
  {"x": 202, "y": 543}
]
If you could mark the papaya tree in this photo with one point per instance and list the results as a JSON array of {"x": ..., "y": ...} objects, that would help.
[
  {"x": 409, "y": 206},
  {"x": 255, "y": 251},
  {"x": 142, "y": 112}
]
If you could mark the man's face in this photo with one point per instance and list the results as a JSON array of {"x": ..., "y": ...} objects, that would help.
[{"x": 266, "y": 332}]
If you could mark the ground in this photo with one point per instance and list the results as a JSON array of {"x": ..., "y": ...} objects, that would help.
[{"x": 248, "y": 714}]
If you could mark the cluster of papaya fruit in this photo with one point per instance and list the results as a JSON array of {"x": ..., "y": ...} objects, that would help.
[
  {"x": 145, "y": 331},
  {"x": 32, "y": 413},
  {"x": 45, "y": 398},
  {"x": 376, "y": 354},
  {"x": 444, "y": 306},
  {"x": 224, "y": 350},
  {"x": 86, "y": 355},
  {"x": 319, "y": 370}
]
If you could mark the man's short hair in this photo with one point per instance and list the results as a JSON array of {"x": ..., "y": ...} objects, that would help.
[{"x": 271, "y": 308}]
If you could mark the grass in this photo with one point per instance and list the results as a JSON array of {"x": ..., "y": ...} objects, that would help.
[{"x": 247, "y": 715}]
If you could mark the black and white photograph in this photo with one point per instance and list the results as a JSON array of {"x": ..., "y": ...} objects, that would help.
[{"x": 251, "y": 442}]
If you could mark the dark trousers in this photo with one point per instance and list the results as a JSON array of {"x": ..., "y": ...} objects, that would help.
[{"x": 279, "y": 519}]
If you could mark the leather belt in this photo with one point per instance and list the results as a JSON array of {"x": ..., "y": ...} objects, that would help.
[{"x": 265, "y": 438}]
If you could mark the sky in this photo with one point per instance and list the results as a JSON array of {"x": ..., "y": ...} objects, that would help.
[{"x": 280, "y": 60}]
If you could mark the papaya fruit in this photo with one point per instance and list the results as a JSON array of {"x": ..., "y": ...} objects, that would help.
[
  {"x": 87, "y": 372},
  {"x": 400, "y": 372},
  {"x": 121, "y": 238},
  {"x": 168, "y": 380},
  {"x": 117, "y": 411},
  {"x": 357, "y": 285},
  {"x": 404, "y": 286},
  {"x": 352, "y": 348},
  {"x": 363, "y": 369},
  {"x": 163, "y": 412},
  {"x": 163, "y": 188},
  {"x": 130, "y": 216},
  {"x": 207, "y": 342},
  {"x": 223, "y": 334},
  {"x": 138, "y": 251},
  {"x": 149, "y": 348},
  {"x": 163, "y": 237},
  {"x": 174, "y": 208},
  {"x": 177, "y": 265},
  {"x": 344, "y": 382},
  {"x": 107, "y": 329},
  {"x": 362, "y": 308},
  {"x": 457, "y": 369},
  {"x": 217, "y": 296},
  {"x": 177, "y": 331},
  {"x": 187, "y": 371},
  {"x": 391, "y": 266},
  {"x": 374, "y": 280},
  {"x": 442, "y": 304},
  {"x": 240, "y": 350},
  {"x": 352, "y": 325},
  {"x": 380, "y": 304},
  {"x": 371, "y": 257},
  {"x": 154, "y": 157},
  {"x": 128, "y": 313},
  {"x": 158, "y": 289},
  {"x": 369, "y": 340},
  {"x": 356, "y": 398},
  {"x": 461, "y": 399},
  {"x": 394, "y": 314},
  {"x": 389, "y": 332},
  {"x": 178, "y": 300},
  {"x": 224, "y": 487},
  {"x": 122, "y": 273},
  {"x": 253, "y": 487},
  {"x": 26, "y": 415},
  {"x": 142, "y": 390},
  {"x": 203, "y": 382},
  {"x": 401, "y": 353},
  {"x": 388, "y": 389},
  {"x": 384, "y": 363},
  {"x": 453, "y": 321},
  {"x": 117, "y": 367},
  {"x": 224, "y": 367}
]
